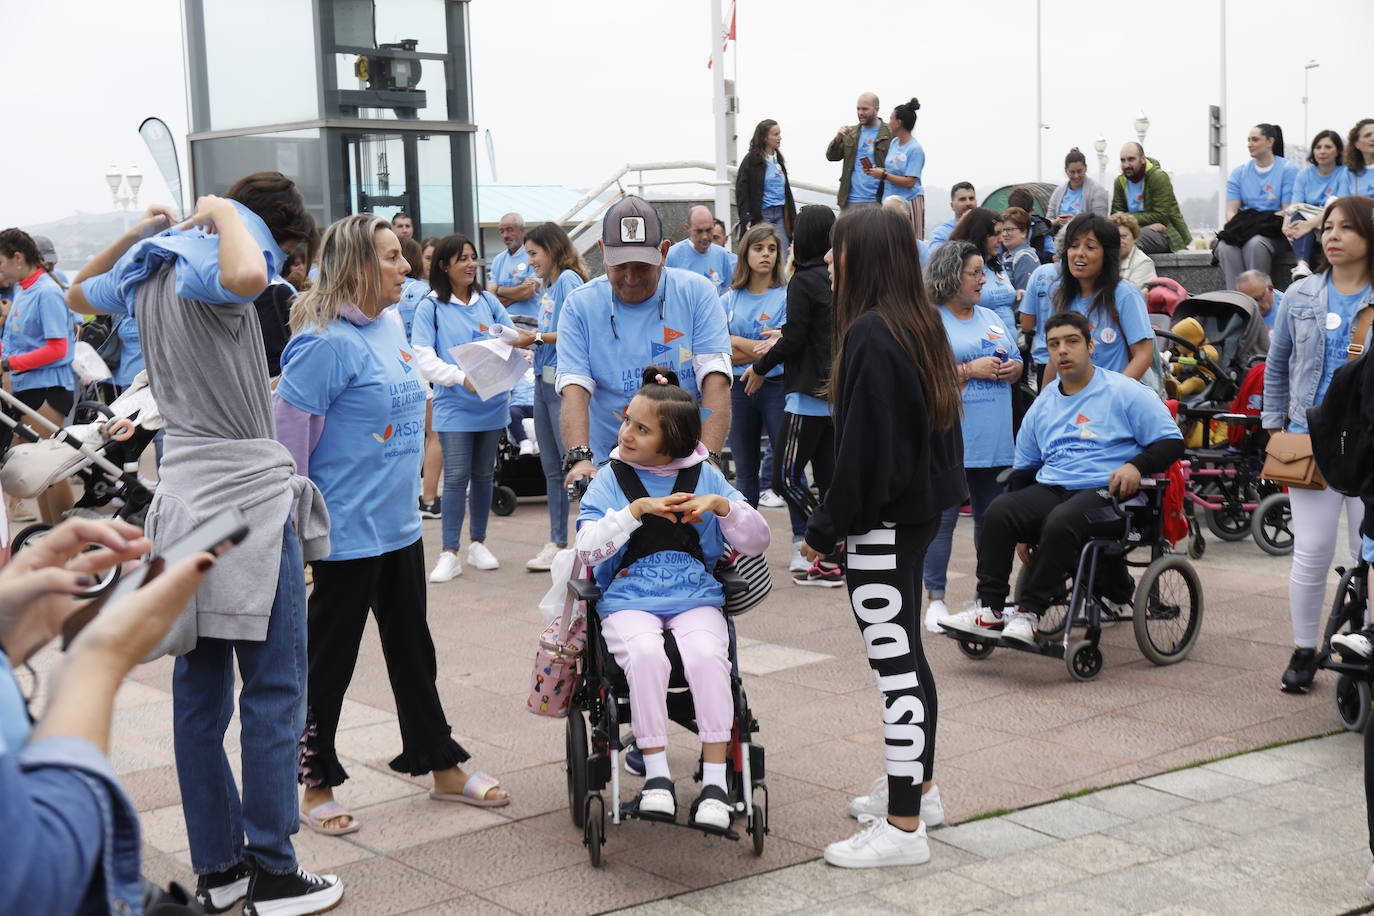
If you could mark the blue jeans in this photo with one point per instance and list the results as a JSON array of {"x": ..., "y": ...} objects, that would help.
[
  {"x": 778, "y": 217},
  {"x": 1302, "y": 247},
  {"x": 751, "y": 415},
  {"x": 983, "y": 488},
  {"x": 547, "y": 404},
  {"x": 271, "y": 713},
  {"x": 467, "y": 456}
]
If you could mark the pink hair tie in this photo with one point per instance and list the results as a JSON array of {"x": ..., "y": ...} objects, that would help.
[{"x": 660, "y": 379}]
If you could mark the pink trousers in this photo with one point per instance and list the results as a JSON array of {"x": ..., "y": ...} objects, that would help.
[{"x": 635, "y": 638}]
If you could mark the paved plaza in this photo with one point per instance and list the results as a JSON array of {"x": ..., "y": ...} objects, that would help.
[{"x": 1278, "y": 831}]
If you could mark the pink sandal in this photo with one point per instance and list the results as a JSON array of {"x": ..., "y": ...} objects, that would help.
[
  {"x": 475, "y": 792},
  {"x": 317, "y": 816}
]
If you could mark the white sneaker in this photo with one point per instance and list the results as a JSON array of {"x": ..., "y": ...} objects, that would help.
[
  {"x": 770, "y": 500},
  {"x": 526, "y": 447},
  {"x": 712, "y": 812},
  {"x": 479, "y": 557},
  {"x": 1020, "y": 626},
  {"x": 1301, "y": 270},
  {"x": 543, "y": 562},
  {"x": 935, "y": 612},
  {"x": 1352, "y": 644},
  {"x": 798, "y": 563},
  {"x": 657, "y": 801},
  {"x": 976, "y": 619},
  {"x": 874, "y": 804},
  {"x": 879, "y": 844},
  {"x": 448, "y": 567}
]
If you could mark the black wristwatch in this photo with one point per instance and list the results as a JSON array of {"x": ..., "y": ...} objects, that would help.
[
  {"x": 575, "y": 454},
  {"x": 715, "y": 457}
]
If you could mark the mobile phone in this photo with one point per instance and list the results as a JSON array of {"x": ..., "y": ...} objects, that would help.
[
  {"x": 866, "y": 162},
  {"x": 216, "y": 535}
]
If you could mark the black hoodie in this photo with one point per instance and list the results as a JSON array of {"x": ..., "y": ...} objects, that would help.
[{"x": 804, "y": 348}]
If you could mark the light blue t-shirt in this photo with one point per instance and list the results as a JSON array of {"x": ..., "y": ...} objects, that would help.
[
  {"x": 15, "y": 727},
  {"x": 38, "y": 314},
  {"x": 716, "y": 264},
  {"x": 862, "y": 187},
  {"x": 1135, "y": 196},
  {"x": 1078, "y": 440},
  {"x": 1274, "y": 310},
  {"x": 906, "y": 160},
  {"x": 1312, "y": 187},
  {"x": 665, "y": 583},
  {"x": 1112, "y": 343},
  {"x": 1337, "y": 335},
  {"x": 1071, "y": 203},
  {"x": 511, "y": 270},
  {"x": 1361, "y": 184},
  {"x": 987, "y": 403},
  {"x": 804, "y": 405},
  {"x": 130, "y": 352},
  {"x": 748, "y": 315},
  {"x": 941, "y": 233},
  {"x": 774, "y": 183},
  {"x": 366, "y": 384},
  {"x": 1262, "y": 191},
  {"x": 610, "y": 342},
  {"x": 999, "y": 295},
  {"x": 1039, "y": 301},
  {"x": 923, "y": 252},
  {"x": 522, "y": 395},
  {"x": 444, "y": 325},
  {"x": 412, "y": 291},
  {"x": 550, "y": 306}
]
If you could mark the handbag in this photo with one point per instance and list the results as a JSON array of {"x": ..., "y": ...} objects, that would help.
[
  {"x": 754, "y": 571},
  {"x": 1288, "y": 460},
  {"x": 558, "y": 662}
]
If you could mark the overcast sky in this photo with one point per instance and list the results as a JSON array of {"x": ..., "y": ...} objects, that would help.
[{"x": 571, "y": 90}]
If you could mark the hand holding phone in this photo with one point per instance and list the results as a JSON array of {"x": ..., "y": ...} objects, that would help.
[{"x": 866, "y": 162}]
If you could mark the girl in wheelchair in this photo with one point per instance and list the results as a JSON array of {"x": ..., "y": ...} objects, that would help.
[{"x": 652, "y": 525}]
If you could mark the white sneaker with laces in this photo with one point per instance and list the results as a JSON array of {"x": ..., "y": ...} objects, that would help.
[
  {"x": 1020, "y": 626},
  {"x": 1352, "y": 643},
  {"x": 798, "y": 563},
  {"x": 543, "y": 561},
  {"x": 878, "y": 844},
  {"x": 448, "y": 567},
  {"x": 874, "y": 804},
  {"x": 976, "y": 619},
  {"x": 479, "y": 557},
  {"x": 770, "y": 500},
  {"x": 935, "y": 611}
]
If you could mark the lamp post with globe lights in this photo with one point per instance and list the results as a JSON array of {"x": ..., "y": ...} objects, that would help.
[
  {"x": 1141, "y": 125},
  {"x": 118, "y": 181},
  {"x": 1100, "y": 146}
]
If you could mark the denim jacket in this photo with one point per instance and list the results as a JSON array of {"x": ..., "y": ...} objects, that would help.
[{"x": 1297, "y": 353}]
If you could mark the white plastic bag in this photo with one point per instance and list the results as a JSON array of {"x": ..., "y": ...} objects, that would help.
[
  {"x": 551, "y": 605},
  {"x": 88, "y": 365}
]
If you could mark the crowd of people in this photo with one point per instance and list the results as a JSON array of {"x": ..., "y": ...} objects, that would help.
[{"x": 875, "y": 380}]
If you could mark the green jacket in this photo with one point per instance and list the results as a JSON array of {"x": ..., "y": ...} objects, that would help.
[
  {"x": 842, "y": 149},
  {"x": 1160, "y": 205}
]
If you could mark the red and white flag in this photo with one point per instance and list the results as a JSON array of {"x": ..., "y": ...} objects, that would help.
[{"x": 727, "y": 33}]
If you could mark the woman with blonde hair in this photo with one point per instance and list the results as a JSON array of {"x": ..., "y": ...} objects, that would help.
[{"x": 351, "y": 409}]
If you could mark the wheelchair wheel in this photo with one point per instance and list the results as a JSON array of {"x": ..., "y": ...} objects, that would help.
[
  {"x": 1084, "y": 660},
  {"x": 1272, "y": 525},
  {"x": 1352, "y": 703},
  {"x": 1168, "y": 610},
  {"x": 974, "y": 649},
  {"x": 1053, "y": 617},
  {"x": 503, "y": 500},
  {"x": 594, "y": 831},
  {"x": 1228, "y": 523},
  {"x": 28, "y": 533},
  {"x": 576, "y": 765},
  {"x": 758, "y": 822}
]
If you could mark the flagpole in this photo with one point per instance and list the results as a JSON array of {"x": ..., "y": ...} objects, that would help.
[{"x": 722, "y": 195}]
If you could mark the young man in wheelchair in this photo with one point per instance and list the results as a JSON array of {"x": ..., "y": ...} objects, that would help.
[{"x": 1091, "y": 435}]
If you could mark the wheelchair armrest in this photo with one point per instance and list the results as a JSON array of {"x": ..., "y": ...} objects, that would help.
[
  {"x": 731, "y": 582},
  {"x": 584, "y": 589}
]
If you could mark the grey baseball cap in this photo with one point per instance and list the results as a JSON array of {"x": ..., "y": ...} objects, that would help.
[
  {"x": 632, "y": 231},
  {"x": 45, "y": 248}
]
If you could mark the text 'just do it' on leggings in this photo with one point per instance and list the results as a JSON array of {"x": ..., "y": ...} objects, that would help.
[{"x": 883, "y": 578}]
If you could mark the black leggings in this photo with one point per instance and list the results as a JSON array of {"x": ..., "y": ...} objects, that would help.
[
  {"x": 884, "y": 581},
  {"x": 804, "y": 440}
]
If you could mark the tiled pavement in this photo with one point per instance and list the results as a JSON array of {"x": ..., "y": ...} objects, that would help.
[{"x": 1014, "y": 731}]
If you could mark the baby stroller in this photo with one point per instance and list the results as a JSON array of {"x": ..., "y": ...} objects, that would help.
[{"x": 1213, "y": 340}]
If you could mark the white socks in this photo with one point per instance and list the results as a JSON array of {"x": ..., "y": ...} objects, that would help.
[
  {"x": 656, "y": 765},
  {"x": 713, "y": 774}
]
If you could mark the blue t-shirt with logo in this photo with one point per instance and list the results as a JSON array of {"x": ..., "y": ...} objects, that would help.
[
  {"x": 449, "y": 324},
  {"x": 668, "y": 582},
  {"x": 365, "y": 382},
  {"x": 1039, "y": 301},
  {"x": 1112, "y": 342},
  {"x": 774, "y": 183},
  {"x": 1265, "y": 191},
  {"x": 1340, "y": 311},
  {"x": 610, "y": 342},
  {"x": 1361, "y": 183},
  {"x": 862, "y": 187},
  {"x": 1078, "y": 440},
  {"x": 511, "y": 270},
  {"x": 1312, "y": 187},
  {"x": 1135, "y": 196},
  {"x": 716, "y": 264},
  {"x": 550, "y": 306},
  {"x": 999, "y": 295},
  {"x": 941, "y": 233},
  {"x": 412, "y": 291},
  {"x": 805, "y": 405},
  {"x": 1071, "y": 203},
  {"x": 38, "y": 314},
  {"x": 905, "y": 159},
  {"x": 748, "y": 315},
  {"x": 987, "y": 403}
]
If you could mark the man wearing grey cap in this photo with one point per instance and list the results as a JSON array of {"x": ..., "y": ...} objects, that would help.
[
  {"x": 49, "y": 255},
  {"x": 639, "y": 314}
]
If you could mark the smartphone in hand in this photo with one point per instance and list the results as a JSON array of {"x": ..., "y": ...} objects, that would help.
[{"x": 866, "y": 162}]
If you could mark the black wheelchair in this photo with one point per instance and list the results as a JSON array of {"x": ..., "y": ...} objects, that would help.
[
  {"x": 1353, "y": 678},
  {"x": 603, "y": 700},
  {"x": 1166, "y": 612}
]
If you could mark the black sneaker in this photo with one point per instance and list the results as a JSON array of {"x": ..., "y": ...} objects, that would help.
[
  {"x": 430, "y": 509},
  {"x": 220, "y": 890},
  {"x": 1302, "y": 668},
  {"x": 296, "y": 893}
]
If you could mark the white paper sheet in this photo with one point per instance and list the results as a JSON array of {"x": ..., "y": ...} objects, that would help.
[{"x": 493, "y": 367}]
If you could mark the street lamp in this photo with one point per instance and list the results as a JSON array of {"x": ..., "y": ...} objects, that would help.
[
  {"x": 1307, "y": 69},
  {"x": 1100, "y": 144},
  {"x": 1142, "y": 124},
  {"x": 117, "y": 180}
]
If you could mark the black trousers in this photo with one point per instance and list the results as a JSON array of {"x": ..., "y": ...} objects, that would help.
[
  {"x": 1052, "y": 518},
  {"x": 392, "y": 586},
  {"x": 805, "y": 440},
  {"x": 884, "y": 581}
]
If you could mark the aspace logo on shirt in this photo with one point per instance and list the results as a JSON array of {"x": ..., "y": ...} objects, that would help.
[{"x": 1084, "y": 427}]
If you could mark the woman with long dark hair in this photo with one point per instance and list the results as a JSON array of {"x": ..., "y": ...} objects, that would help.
[
  {"x": 983, "y": 229},
  {"x": 762, "y": 191},
  {"x": 1323, "y": 179},
  {"x": 898, "y": 466},
  {"x": 1255, "y": 193},
  {"x": 1090, "y": 283}
]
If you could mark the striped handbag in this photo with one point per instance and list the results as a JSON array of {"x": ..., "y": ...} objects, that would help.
[{"x": 753, "y": 571}]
